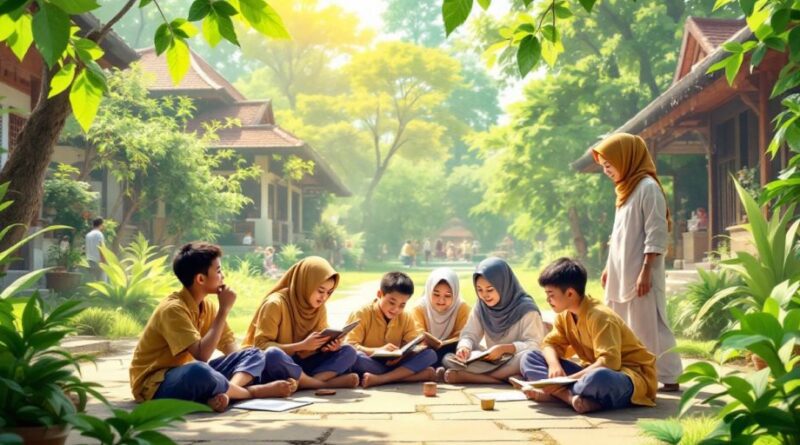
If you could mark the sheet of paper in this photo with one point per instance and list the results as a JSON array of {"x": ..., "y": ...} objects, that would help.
[
  {"x": 276, "y": 405},
  {"x": 553, "y": 381}
]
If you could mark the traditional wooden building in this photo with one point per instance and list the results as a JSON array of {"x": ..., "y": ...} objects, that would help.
[
  {"x": 702, "y": 131},
  {"x": 282, "y": 210}
]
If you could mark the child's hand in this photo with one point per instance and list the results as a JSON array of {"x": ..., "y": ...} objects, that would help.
[
  {"x": 314, "y": 341},
  {"x": 333, "y": 346},
  {"x": 226, "y": 297},
  {"x": 463, "y": 353},
  {"x": 604, "y": 278},
  {"x": 389, "y": 347},
  {"x": 495, "y": 352},
  {"x": 555, "y": 371}
]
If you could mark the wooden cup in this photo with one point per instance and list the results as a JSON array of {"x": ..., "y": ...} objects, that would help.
[
  {"x": 429, "y": 389},
  {"x": 487, "y": 404}
]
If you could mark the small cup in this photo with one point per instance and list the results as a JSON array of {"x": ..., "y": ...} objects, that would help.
[
  {"x": 429, "y": 389},
  {"x": 487, "y": 404}
]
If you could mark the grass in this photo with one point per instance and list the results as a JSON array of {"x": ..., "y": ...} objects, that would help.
[{"x": 701, "y": 349}]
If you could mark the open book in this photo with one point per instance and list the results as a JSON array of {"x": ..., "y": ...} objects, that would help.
[
  {"x": 402, "y": 352},
  {"x": 436, "y": 343},
  {"x": 523, "y": 385},
  {"x": 474, "y": 356},
  {"x": 336, "y": 334}
]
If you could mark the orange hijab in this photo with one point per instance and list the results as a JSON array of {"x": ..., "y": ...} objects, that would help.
[
  {"x": 295, "y": 288},
  {"x": 629, "y": 155}
]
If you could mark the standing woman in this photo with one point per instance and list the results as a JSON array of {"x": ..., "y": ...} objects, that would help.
[
  {"x": 441, "y": 312},
  {"x": 292, "y": 317},
  {"x": 505, "y": 317},
  {"x": 634, "y": 278}
]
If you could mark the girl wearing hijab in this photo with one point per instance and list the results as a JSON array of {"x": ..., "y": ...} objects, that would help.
[
  {"x": 292, "y": 317},
  {"x": 441, "y": 312},
  {"x": 634, "y": 278},
  {"x": 506, "y": 317}
]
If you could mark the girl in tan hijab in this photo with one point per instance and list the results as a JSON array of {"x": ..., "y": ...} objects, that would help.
[
  {"x": 292, "y": 317},
  {"x": 634, "y": 278}
]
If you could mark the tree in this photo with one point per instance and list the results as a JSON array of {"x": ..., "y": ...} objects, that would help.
[
  {"x": 321, "y": 34},
  {"x": 73, "y": 80},
  {"x": 141, "y": 141},
  {"x": 415, "y": 21}
]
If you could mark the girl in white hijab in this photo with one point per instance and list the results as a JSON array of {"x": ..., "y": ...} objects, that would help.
[{"x": 441, "y": 313}]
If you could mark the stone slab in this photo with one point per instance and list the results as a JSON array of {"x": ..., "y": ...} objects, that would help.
[
  {"x": 540, "y": 424},
  {"x": 613, "y": 436},
  {"x": 412, "y": 431}
]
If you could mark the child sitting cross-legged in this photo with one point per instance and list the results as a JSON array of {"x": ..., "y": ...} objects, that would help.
[{"x": 615, "y": 369}]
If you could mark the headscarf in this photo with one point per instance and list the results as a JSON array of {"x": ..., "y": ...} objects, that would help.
[
  {"x": 295, "y": 288},
  {"x": 514, "y": 301},
  {"x": 441, "y": 324},
  {"x": 629, "y": 155}
]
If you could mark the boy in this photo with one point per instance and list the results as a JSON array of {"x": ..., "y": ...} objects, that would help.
[
  {"x": 171, "y": 359},
  {"x": 95, "y": 239},
  {"x": 616, "y": 369},
  {"x": 385, "y": 325}
]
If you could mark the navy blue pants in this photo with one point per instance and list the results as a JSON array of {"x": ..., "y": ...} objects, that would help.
[
  {"x": 414, "y": 362},
  {"x": 280, "y": 367},
  {"x": 611, "y": 389},
  {"x": 444, "y": 350},
  {"x": 200, "y": 381}
]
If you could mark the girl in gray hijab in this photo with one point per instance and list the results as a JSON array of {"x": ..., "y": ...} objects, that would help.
[{"x": 506, "y": 318}]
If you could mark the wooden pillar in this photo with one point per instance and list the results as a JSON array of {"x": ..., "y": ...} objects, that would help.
[
  {"x": 763, "y": 126},
  {"x": 711, "y": 200}
]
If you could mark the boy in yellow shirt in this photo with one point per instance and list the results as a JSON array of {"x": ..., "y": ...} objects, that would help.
[
  {"x": 384, "y": 324},
  {"x": 615, "y": 369},
  {"x": 171, "y": 359}
]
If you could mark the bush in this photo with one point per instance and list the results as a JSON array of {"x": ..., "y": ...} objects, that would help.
[
  {"x": 94, "y": 321},
  {"x": 125, "y": 326},
  {"x": 288, "y": 255},
  {"x": 716, "y": 319}
]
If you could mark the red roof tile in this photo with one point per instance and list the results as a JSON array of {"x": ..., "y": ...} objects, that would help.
[
  {"x": 714, "y": 32},
  {"x": 248, "y": 112},
  {"x": 201, "y": 76},
  {"x": 256, "y": 136}
]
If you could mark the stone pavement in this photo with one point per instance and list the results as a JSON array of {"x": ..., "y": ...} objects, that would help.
[{"x": 390, "y": 414}]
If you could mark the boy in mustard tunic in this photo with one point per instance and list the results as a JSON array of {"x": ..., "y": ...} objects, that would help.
[
  {"x": 616, "y": 370},
  {"x": 173, "y": 356}
]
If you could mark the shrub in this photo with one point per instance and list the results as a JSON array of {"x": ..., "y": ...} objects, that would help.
[
  {"x": 288, "y": 255},
  {"x": 94, "y": 321},
  {"x": 124, "y": 326},
  {"x": 716, "y": 318}
]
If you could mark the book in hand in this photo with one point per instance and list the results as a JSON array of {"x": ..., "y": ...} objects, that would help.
[
  {"x": 336, "y": 334},
  {"x": 524, "y": 385},
  {"x": 397, "y": 353},
  {"x": 474, "y": 356},
  {"x": 436, "y": 343}
]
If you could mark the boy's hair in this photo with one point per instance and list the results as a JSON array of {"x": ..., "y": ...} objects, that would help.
[
  {"x": 564, "y": 273},
  {"x": 194, "y": 258},
  {"x": 97, "y": 222},
  {"x": 397, "y": 282}
]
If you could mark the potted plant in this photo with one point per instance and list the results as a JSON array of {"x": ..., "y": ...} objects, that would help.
[{"x": 64, "y": 257}]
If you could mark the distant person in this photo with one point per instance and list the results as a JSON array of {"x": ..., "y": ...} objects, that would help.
[
  {"x": 95, "y": 239},
  {"x": 248, "y": 239},
  {"x": 465, "y": 249},
  {"x": 614, "y": 370},
  {"x": 407, "y": 254},
  {"x": 635, "y": 277},
  {"x": 426, "y": 249},
  {"x": 268, "y": 263},
  {"x": 439, "y": 249},
  {"x": 474, "y": 249}
]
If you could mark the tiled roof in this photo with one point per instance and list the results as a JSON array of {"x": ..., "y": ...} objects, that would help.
[
  {"x": 256, "y": 136},
  {"x": 201, "y": 76},
  {"x": 715, "y": 32},
  {"x": 252, "y": 112}
]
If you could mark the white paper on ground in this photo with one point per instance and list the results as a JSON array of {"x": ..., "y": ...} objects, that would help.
[
  {"x": 276, "y": 405},
  {"x": 505, "y": 396}
]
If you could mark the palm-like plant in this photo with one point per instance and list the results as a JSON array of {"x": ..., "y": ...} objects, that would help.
[{"x": 717, "y": 318}]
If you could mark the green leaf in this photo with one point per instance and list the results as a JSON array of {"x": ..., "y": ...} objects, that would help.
[
  {"x": 721, "y": 3},
  {"x": 455, "y": 13},
  {"x": 779, "y": 20},
  {"x": 668, "y": 431},
  {"x": 85, "y": 97},
  {"x": 88, "y": 50},
  {"x": 733, "y": 47},
  {"x": 758, "y": 55},
  {"x": 562, "y": 11},
  {"x": 794, "y": 40},
  {"x": 51, "y": 32},
  {"x": 11, "y": 5},
  {"x": 178, "y": 60},
  {"x": 78, "y": 6},
  {"x": 528, "y": 54},
  {"x": 775, "y": 43},
  {"x": 143, "y": 3},
  {"x": 588, "y": 4},
  {"x": 23, "y": 282},
  {"x": 211, "y": 31},
  {"x": 163, "y": 38},
  {"x": 21, "y": 40},
  {"x": 485, "y": 4},
  {"x": 732, "y": 67},
  {"x": 224, "y": 8},
  {"x": 7, "y": 27},
  {"x": 164, "y": 409},
  {"x": 263, "y": 18},
  {"x": 62, "y": 80},
  {"x": 550, "y": 33},
  {"x": 747, "y": 6},
  {"x": 183, "y": 28},
  {"x": 198, "y": 10}
]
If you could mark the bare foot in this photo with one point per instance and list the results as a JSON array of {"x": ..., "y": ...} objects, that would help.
[
  {"x": 219, "y": 402},
  {"x": 368, "y": 380},
  {"x": 537, "y": 395},
  {"x": 452, "y": 376},
  {"x": 343, "y": 381},
  {"x": 440, "y": 374},
  {"x": 670, "y": 387},
  {"x": 426, "y": 374},
  {"x": 294, "y": 384},
  {"x": 583, "y": 405},
  {"x": 278, "y": 388}
]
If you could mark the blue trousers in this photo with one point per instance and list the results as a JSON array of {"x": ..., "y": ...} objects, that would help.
[
  {"x": 414, "y": 362},
  {"x": 612, "y": 389},
  {"x": 200, "y": 381},
  {"x": 444, "y": 350},
  {"x": 284, "y": 367}
]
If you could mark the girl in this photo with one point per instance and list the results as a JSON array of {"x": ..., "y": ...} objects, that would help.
[
  {"x": 634, "y": 278},
  {"x": 508, "y": 319},
  {"x": 292, "y": 317},
  {"x": 441, "y": 312}
]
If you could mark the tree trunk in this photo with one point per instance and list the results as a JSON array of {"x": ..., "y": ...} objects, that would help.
[
  {"x": 28, "y": 161},
  {"x": 578, "y": 239}
]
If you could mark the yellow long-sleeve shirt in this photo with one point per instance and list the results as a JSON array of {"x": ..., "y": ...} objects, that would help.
[
  {"x": 272, "y": 325},
  {"x": 374, "y": 331},
  {"x": 462, "y": 315},
  {"x": 600, "y": 335}
]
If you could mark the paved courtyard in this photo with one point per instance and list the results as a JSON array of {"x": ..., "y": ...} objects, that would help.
[{"x": 390, "y": 414}]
